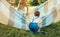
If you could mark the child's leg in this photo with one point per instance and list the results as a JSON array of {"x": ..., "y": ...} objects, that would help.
[{"x": 39, "y": 29}]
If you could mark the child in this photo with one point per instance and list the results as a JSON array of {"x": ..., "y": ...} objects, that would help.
[
  {"x": 33, "y": 26},
  {"x": 21, "y": 6}
]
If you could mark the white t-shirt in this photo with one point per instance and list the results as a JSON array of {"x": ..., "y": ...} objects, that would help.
[
  {"x": 22, "y": 10},
  {"x": 36, "y": 19}
]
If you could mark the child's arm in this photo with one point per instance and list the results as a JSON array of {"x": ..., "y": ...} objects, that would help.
[{"x": 27, "y": 8}]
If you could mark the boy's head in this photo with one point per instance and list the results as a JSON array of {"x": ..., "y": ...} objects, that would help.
[{"x": 37, "y": 13}]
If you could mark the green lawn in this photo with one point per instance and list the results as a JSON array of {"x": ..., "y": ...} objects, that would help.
[{"x": 51, "y": 31}]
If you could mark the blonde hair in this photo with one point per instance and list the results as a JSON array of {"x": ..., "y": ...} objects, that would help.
[{"x": 21, "y": 2}]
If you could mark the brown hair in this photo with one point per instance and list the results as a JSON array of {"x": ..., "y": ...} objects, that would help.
[{"x": 37, "y": 13}]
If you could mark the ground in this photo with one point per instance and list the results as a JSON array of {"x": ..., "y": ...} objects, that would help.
[{"x": 51, "y": 31}]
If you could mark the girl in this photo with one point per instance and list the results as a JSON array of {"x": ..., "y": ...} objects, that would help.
[
  {"x": 21, "y": 6},
  {"x": 33, "y": 26}
]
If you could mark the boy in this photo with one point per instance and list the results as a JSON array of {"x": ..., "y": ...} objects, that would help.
[{"x": 33, "y": 26}]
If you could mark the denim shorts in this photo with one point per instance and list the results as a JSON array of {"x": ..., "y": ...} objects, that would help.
[{"x": 33, "y": 26}]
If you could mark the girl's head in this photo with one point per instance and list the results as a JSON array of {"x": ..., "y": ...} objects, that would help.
[
  {"x": 23, "y": 0},
  {"x": 37, "y": 13}
]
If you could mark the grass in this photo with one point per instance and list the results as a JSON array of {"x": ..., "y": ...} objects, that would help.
[{"x": 51, "y": 31}]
